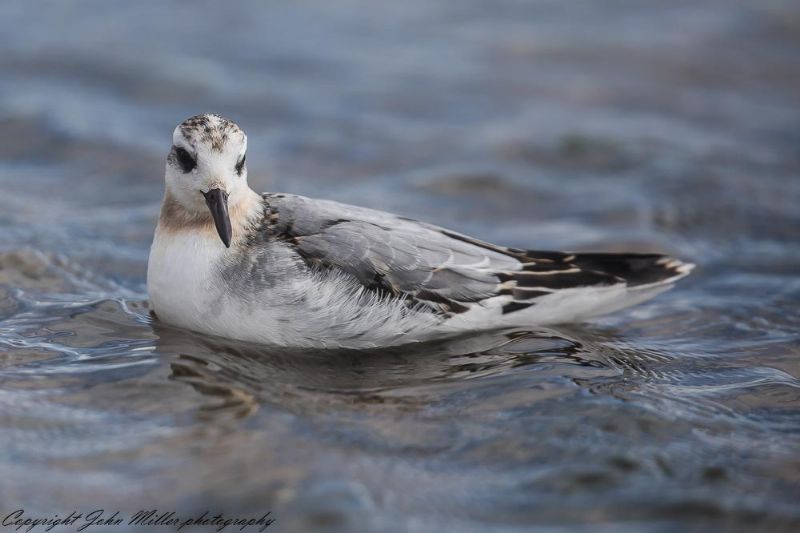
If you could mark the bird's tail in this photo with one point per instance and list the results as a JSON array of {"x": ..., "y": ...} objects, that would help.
[
  {"x": 566, "y": 287},
  {"x": 633, "y": 269}
]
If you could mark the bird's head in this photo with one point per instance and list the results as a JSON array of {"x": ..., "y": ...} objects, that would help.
[{"x": 206, "y": 174}]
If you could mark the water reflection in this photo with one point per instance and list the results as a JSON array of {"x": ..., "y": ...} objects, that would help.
[{"x": 399, "y": 377}]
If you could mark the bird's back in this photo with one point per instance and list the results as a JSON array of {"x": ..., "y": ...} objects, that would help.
[{"x": 460, "y": 282}]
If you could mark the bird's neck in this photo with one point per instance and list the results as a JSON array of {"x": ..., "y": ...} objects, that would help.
[{"x": 245, "y": 209}]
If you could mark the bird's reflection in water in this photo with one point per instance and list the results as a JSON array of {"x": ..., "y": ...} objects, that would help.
[
  {"x": 227, "y": 395},
  {"x": 237, "y": 377}
]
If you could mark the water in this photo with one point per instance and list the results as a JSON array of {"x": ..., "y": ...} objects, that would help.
[{"x": 620, "y": 125}]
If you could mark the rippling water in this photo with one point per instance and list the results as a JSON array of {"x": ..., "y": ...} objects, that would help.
[{"x": 593, "y": 125}]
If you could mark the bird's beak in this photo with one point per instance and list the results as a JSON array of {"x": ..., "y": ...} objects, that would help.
[{"x": 217, "y": 201}]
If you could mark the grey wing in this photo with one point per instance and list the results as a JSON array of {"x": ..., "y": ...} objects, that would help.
[
  {"x": 390, "y": 254},
  {"x": 442, "y": 270}
]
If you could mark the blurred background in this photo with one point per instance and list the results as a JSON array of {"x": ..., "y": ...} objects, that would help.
[{"x": 587, "y": 125}]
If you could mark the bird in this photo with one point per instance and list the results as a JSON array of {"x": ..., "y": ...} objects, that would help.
[{"x": 287, "y": 270}]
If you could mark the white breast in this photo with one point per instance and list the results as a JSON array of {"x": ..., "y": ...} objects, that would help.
[
  {"x": 180, "y": 281},
  {"x": 187, "y": 289}
]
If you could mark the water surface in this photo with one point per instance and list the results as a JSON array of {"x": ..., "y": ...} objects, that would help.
[{"x": 619, "y": 125}]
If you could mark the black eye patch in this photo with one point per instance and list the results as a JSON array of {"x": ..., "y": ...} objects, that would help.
[
  {"x": 240, "y": 165},
  {"x": 185, "y": 160}
]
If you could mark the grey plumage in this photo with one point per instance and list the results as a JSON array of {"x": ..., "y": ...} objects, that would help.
[{"x": 433, "y": 268}]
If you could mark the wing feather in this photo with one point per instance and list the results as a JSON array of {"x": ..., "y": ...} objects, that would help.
[{"x": 440, "y": 269}]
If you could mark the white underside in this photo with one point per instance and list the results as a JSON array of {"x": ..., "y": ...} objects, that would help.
[{"x": 326, "y": 311}]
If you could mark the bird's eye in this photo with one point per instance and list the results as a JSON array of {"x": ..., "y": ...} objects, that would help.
[
  {"x": 185, "y": 160},
  {"x": 240, "y": 165}
]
